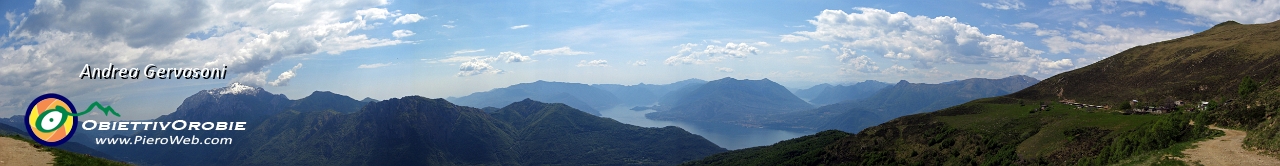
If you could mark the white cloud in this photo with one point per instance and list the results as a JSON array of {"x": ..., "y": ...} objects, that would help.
[
  {"x": 1026, "y": 25},
  {"x": 639, "y": 63},
  {"x": 509, "y": 57},
  {"x": 1214, "y": 11},
  {"x": 247, "y": 37},
  {"x": 454, "y": 59},
  {"x": 593, "y": 63},
  {"x": 764, "y": 44},
  {"x": 927, "y": 41},
  {"x": 1058, "y": 65},
  {"x": 257, "y": 79},
  {"x": 1243, "y": 11},
  {"x": 898, "y": 69},
  {"x": 476, "y": 67},
  {"x": 1105, "y": 40},
  {"x": 793, "y": 38},
  {"x": 375, "y": 65},
  {"x": 402, "y": 33},
  {"x": 1082, "y": 24},
  {"x": 447, "y": 26},
  {"x": 1074, "y": 4},
  {"x": 1042, "y": 32},
  {"x": 559, "y": 51},
  {"x": 802, "y": 57},
  {"x": 464, "y": 51},
  {"x": 408, "y": 18},
  {"x": 283, "y": 79},
  {"x": 724, "y": 69},
  {"x": 520, "y": 26},
  {"x": 1004, "y": 5},
  {"x": 861, "y": 63},
  {"x": 1139, "y": 13},
  {"x": 370, "y": 13},
  {"x": 712, "y": 53}
]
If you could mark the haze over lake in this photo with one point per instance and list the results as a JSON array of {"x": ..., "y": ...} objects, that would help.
[{"x": 727, "y": 136}]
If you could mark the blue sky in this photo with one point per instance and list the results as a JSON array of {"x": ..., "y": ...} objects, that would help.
[{"x": 384, "y": 49}]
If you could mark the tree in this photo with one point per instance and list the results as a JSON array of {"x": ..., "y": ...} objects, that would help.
[{"x": 1247, "y": 86}]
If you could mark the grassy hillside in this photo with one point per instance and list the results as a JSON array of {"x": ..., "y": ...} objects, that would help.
[
  {"x": 63, "y": 157},
  {"x": 1232, "y": 66}
]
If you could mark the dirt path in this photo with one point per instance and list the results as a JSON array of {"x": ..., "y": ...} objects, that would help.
[
  {"x": 16, "y": 152},
  {"x": 1227, "y": 150}
]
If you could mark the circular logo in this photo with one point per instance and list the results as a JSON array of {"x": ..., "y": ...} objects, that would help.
[{"x": 50, "y": 119}]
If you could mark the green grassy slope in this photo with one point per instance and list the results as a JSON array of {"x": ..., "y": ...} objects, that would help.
[{"x": 1208, "y": 66}]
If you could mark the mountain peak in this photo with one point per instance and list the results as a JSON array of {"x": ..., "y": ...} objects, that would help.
[
  {"x": 903, "y": 82},
  {"x": 236, "y": 88}
]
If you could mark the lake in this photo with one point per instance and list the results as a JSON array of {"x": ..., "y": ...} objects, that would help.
[{"x": 728, "y": 136}]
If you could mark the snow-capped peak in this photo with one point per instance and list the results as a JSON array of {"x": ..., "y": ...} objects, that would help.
[{"x": 235, "y": 88}]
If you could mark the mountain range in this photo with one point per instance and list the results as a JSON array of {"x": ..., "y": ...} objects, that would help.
[
  {"x": 1228, "y": 66},
  {"x": 729, "y": 100},
  {"x": 581, "y": 96},
  {"x": 323, "y": 129},
  {"x": 903, "y": 98},
  {"x": 841, "y": 93}
]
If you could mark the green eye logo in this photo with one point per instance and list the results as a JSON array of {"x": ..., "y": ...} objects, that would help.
[{"x": 51, "y": 118}]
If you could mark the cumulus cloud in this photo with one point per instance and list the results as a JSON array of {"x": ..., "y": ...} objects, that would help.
[
  {"x": 593, "y": 63},
  {"x": 1243, "y": 11},
  {"x": 1105, "y": 40},
  {"x": 860, "y": 64},
  {"x": 447, "y": 26},
  {"x": 375, "y": 65},
  {"x": 408, "y": 18},
  {"x": 1074, "y": 4},
  {"x": 247, "y": 37},
  {"x": 453, "y": 59},
  {"x": 520, "y": 26},
  {"x": 763, "y": 44},
  {"x": 925, "y": 40},
  {"x": 1004, "y": 5},
  {"x": 712, "y": 53},
  {"x": 1139, "y": 13},
  {"x": 476, "y": 67},
  {"x": 1057, "y": 65},
  {"x": 793, "y": 38},
  {"x": 559, "y": 51},
  {"x": 639, "y": 63},
  {"x": 464, "y": 51},
  {"x": 898, "y": 69},
  {"x": 724, "y": 69},
  {"x": 509, "y": 57},
  {"x": 283, "y": 79},
  {"x": 402, "y": 33},
  {"x": 1026, "y": 25}
]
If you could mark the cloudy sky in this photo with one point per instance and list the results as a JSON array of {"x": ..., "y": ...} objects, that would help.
[{"x": 384, "y": 49}]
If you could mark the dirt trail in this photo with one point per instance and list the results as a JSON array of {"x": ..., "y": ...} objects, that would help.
[
  {"x": 1227, "y": 150},
  {"x": 16, "y": 152}
]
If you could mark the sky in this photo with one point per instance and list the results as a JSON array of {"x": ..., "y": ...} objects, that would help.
[{"x": 387, "y": 49}]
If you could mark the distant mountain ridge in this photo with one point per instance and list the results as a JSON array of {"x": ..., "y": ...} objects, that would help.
[
  {"x": 811, "y": 92},
  {"x": 319, "y": 130},
  {"x": 841, "y": 93},
  {"x": 581, "y": 96},
  {"x": 1232, "y": 66},
  {"x": 903, "y": 98},
  {"x": 732, "y": 101}
]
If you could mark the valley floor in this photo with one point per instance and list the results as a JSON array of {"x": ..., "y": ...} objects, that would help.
[
  {"x": 1227, "y": 150},
  {"x": 17, "y": 152}
]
